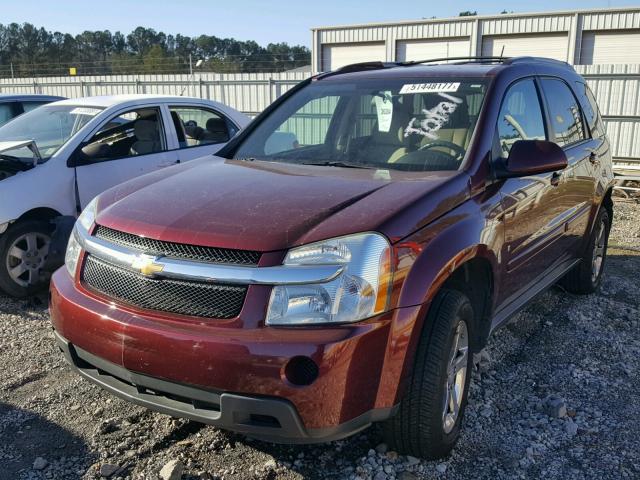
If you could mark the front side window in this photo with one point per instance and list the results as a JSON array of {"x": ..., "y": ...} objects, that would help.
[
  {"x": 50, "y": 127},
  {"x": 413, "y": 124},
  {"x": 520, "y": 116},
  {"x": 130, "y": 134},
  {"x": 565, "y": 114},
  {"x": 200, "y": 126}
]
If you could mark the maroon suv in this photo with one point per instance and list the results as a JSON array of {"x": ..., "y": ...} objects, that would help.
[{"x": 341, "y": 259}]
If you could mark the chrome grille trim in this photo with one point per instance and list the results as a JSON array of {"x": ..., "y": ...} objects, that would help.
[{"x": 204, "y": 271}]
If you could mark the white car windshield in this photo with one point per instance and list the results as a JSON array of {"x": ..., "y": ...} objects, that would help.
[{"x": 49, "y": 126}]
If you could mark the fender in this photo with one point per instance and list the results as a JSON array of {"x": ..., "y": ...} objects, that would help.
[{"x": 428, "y": 258}]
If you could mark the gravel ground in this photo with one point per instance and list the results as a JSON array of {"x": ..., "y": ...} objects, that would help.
[{"x": 554, "y": 396}]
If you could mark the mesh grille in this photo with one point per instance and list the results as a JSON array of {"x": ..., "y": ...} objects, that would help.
[
  {"x": 178, "y": 250},
  {"x": 174, "y": 296}
]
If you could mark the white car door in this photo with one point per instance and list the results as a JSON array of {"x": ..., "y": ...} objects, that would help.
[
  {"x": 200, "y": 130},
  {"x": 131, "y": 143}
]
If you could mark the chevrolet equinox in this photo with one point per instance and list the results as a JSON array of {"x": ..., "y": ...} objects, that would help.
[{"x": 342, "y": 258}]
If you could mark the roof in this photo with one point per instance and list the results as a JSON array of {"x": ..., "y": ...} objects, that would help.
[
  {"x": 4, "y": 97},
  {"x": 110, "y": 100},
  {"x": 417, "y": 71},
  {"x": 472, "y": 67}
]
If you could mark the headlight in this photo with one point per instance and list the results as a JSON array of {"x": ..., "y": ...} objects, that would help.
[
  {"x": 88, "y": 215},
  {"x": 72, "y": 254},
  {"x": 85, "y": 221},
  {"x": 360, "y": 291}
]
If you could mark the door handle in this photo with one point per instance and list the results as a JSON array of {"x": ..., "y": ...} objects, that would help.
[{"x": 555, "y": 179}]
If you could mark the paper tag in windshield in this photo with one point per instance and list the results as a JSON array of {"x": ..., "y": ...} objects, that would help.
[
  {"x": 443, "y": 87},
  {"x": 85, "y": 111},
  {"x": 384, "y": 109}
]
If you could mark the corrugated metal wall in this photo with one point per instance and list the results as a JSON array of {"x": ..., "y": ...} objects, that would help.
[
  {"x": 247, "y": 92},
  {"x": 617, "y": 88}
]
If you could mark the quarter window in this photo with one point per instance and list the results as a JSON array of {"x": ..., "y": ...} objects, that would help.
[
  {"x": 591, "y": 111},
  {"x": 520, "y": 116},
  {"x": 564, "y": 111},
  {"x": 130, "y": 134},
  {"x": 200, "y": 126}
]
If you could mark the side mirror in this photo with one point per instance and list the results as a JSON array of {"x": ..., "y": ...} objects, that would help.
[
  {"x": 533, "y": 157},
  {"x": 89, "y": 153}
]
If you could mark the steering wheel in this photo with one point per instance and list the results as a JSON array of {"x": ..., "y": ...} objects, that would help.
[{"x": 459, "y": 151}]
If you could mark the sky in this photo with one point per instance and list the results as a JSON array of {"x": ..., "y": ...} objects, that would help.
[{"x": 263, "y": 21}]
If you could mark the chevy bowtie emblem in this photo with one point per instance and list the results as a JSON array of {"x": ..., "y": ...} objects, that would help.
[{"x": 146, "y": 265}]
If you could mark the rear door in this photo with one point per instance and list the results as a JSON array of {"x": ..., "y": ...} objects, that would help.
[
  {"x": 200, "y": 130},
  {"x": 568, "y": 130},
  {"x": 130, "y": 143},
  {"x": 532, "y": 205}
]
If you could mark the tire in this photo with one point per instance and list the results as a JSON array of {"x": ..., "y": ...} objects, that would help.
[
  {"x": 422, "y": 427},
  {"x": 23, "y": 251},
  {"x": 583, "y": 278}
]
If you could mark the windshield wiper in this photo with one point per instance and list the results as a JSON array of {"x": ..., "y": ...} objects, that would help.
[{"x": 338, "y": 164}]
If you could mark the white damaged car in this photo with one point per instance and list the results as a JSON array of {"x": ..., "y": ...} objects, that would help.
[{"x": 56, "y": 158}]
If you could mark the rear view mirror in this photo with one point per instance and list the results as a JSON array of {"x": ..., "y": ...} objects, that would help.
[{"x": 533, "y": 157}]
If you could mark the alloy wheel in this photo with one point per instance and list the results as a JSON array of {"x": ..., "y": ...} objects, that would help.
[
  {"x": 456, "y": 377},
  {"x": 598, "y": 251},
  {"x": 26, "y": 256}
]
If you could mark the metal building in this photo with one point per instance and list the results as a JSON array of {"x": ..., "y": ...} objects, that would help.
[{"x": 583, "y": 37}]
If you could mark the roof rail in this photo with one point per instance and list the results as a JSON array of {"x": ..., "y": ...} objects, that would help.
[
  {"x": 472, "y": 59},
  {"x": 364, "y": 66},
  {"x": 359, "y": 67}
]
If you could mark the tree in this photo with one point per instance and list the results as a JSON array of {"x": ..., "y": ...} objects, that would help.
[
  {"x": 36, "y": 51},
  {"x": 468, "y": 13}
]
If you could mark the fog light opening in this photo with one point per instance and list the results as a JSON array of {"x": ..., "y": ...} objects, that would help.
[{"x": 301, "y": 371}]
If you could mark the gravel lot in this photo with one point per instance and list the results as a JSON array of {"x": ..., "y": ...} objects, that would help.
[{"x": 555, "y": 396}]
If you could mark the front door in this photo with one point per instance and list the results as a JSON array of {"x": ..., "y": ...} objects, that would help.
[
  {"x": 533, "y": 205},
  {"x": 128, "y": 145}
]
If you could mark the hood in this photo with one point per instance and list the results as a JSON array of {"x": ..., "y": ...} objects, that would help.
[
  {"x": 265, "y": 206},
  {"x": 10, "y": 165}
]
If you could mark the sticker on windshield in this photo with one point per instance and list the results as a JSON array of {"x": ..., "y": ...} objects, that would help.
[
  {"x": 384, "y": 109},
  {"x": 442, "y": 87},
  {"x": 85, "y": 111}
]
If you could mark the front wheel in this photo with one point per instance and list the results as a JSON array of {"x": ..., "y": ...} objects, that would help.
[
  {"x": 428, "y": 422},
  {"x": 24, "y": 248},
  {"x": 587, "y": 275}
]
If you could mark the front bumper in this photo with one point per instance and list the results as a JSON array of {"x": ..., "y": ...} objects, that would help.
[
  {"x": 231, "y": 373},
  {"x": 270, "y": 419}
]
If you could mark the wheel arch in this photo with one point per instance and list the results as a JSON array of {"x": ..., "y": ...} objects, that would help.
[{"x": 41, "y": 213}]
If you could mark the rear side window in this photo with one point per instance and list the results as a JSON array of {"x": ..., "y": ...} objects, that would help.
[
  {"x": 520, "y": 116},
  {"x": 591, "y": 111},
  {"x": 564, "y": 112}
]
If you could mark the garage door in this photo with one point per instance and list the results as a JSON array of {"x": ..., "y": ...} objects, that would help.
[
  {"x": 426, "y": 49},
  {"x": 336, "y": 56},
  {"x": 547, "y": 45},
  {"x": 610, "y": 47}
]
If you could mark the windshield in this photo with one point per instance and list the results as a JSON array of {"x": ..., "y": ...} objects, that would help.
[
  {"x": 404, "y": 124},
  {"x": 50, "y": 126}
]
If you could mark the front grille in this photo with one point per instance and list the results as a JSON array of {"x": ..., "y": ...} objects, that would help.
[
  {"x": 178, "y": 250},
  {"x": 166, "y": 295}
]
